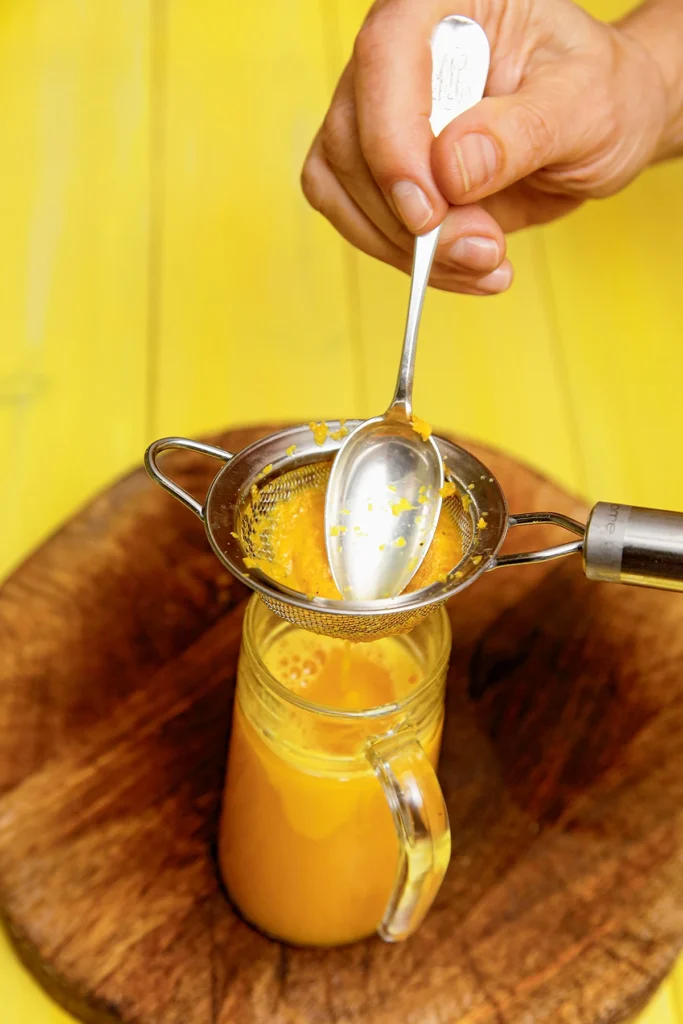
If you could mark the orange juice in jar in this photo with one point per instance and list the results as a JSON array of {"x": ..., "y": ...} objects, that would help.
[{"x": 333, "y": 824}]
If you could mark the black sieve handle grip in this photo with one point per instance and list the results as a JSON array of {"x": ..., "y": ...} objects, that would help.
[{"x": 166, "y": 443}]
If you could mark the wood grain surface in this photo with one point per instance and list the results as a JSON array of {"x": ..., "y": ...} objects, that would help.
[{"x": 561, "y": 768}]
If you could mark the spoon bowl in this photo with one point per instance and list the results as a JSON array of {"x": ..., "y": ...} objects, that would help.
[{"x": 382, "y": 506}]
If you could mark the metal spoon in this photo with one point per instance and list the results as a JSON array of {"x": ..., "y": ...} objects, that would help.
[{"x": 383, "y": 500}]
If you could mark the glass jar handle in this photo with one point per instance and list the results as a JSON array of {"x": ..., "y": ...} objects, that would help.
[{"x": 421, "y": 819}]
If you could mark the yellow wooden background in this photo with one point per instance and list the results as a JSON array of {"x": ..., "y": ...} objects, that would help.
[{"x": 161, "y": 273}]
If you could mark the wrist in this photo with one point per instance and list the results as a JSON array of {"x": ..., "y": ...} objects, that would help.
[{"x": 657, "y": 29}]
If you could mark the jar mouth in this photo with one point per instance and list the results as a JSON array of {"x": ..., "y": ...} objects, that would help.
[{"x": 379, "y": 711}]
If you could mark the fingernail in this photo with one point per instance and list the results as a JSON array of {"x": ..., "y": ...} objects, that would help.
[
  {"x": 412, "y": 204},
  {"x": 475, "y": 253},
  {"x": 498, "y": 281},
  {"x": 477, "y": 159}
]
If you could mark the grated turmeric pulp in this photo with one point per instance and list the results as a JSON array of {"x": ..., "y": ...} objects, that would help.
[
  {"x": 421, "y": 427},
  {"x": 296, "y": 536}
]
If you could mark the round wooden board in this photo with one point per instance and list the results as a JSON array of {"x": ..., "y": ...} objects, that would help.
[{"x": 561, "y": 765}]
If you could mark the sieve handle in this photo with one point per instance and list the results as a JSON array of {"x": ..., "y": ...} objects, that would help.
[
  {"x": 420, "y": 817},
  {"x": 545, "y": 554},
  {"x": 166, "y": 443},
  {"x": 642, "y": 547}
]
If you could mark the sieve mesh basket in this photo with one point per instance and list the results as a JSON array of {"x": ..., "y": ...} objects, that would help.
[
  {"x": 245, "y": 491},
  {"x": 254, "y": 534}
]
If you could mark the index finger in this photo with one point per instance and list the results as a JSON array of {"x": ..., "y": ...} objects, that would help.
[{"x": 393, "y": 89}]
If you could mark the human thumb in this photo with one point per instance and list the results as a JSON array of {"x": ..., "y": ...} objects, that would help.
[{"x": 494, "y": 144}]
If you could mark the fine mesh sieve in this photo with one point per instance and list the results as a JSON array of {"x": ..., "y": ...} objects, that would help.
[
  {"x": 620, "y": 544},
  {"x": 253, "y": 481},
  {"x": 254, "y": 519}
]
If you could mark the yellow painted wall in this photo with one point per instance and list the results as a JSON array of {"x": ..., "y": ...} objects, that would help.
[{"x": 160, "y": 273}]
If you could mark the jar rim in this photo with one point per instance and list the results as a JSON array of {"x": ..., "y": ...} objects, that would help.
[{"x": 381, "y": 710}]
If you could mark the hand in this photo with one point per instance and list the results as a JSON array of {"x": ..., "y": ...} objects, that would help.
[{"x": 574, "y": 109}]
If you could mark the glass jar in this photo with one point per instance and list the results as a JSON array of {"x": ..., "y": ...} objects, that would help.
[{"x": 333, "y": 823}]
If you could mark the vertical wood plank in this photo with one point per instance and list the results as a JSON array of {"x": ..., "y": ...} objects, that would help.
[
  {"x": 73, "y": 256},
  {"x": 615, "y": 270},
  {"x": 254, "y": 320}
]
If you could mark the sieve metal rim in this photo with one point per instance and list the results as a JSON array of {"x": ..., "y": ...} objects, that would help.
[
  {"x": 231, "y": 484},
  {"x": 229, "y": 549}
]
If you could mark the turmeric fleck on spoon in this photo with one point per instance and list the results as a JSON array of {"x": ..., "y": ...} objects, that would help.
[
  {"x": 402, "y": 505},
  {"x": 421, "y": 427}
]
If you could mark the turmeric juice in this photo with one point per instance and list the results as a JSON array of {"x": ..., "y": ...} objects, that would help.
[{"x": 308, "y": 847}]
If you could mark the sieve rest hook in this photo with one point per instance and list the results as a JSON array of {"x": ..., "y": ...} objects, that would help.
[
  {"x": 558, "y": 551},
  {"x": 165, "y": 443}
]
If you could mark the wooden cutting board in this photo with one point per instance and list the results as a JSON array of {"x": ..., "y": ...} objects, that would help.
[{"x": 562, "y": 768}]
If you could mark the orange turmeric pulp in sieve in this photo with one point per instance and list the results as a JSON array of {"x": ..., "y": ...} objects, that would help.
[{"x": 296, "y": 528}]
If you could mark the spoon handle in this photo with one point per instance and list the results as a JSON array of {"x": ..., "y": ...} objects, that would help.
[
  {"x": 460, "y": 66},
  {"x": 423, "y": 257}
]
